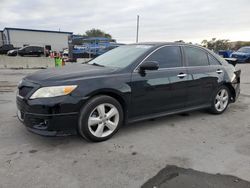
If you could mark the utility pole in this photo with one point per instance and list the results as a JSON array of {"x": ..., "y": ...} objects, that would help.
[{"x": 137, "y": 29}]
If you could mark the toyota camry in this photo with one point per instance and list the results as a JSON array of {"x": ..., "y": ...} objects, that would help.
[{"x": 130, "y": 83}]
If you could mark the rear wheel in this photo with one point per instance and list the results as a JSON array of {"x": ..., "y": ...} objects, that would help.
[
  {"x": 220, "y": 100},
  {"x": 100, "y": 118}
]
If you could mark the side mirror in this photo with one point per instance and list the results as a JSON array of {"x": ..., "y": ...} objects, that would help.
[{"x": 149, "y": 65}]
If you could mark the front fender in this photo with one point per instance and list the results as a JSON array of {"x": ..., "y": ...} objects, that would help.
[{"x": 119, "y": 85}]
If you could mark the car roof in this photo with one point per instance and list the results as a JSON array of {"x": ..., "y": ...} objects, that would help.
[
  {"x": 33, "y": 46},
  {"x": 159, "y": 44}
]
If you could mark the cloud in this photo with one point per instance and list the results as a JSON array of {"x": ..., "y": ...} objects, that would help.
[{"x": 160, "y": 20}]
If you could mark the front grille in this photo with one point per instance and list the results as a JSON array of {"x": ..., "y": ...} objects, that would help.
[{"x": 24, "y": 91}]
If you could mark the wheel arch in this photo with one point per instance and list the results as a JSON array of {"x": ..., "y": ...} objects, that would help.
[
  {"x": 231, "y": 89},
  {"x": 120, "y": 97}
]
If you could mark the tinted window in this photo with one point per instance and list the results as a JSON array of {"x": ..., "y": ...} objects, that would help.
[
  {"x": 196, "y": 57},
  {"x": 212, "y": 60},
  {"x": 37, "y": 49},
  {"x": 26, "y": 49},
  {"x": 244, "y": 50},
  {"x": 167, "y": 57}
]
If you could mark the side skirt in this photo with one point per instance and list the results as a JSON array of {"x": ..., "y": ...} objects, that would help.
[{"x": 151, "y": 116}]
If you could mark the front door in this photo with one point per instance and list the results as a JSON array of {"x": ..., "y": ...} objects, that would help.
[{"x": 160, "y": 90}]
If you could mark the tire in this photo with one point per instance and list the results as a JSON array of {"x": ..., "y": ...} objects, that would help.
[
  {"x": 220, "y": 100},
  {"x": 100, "y": 118}
]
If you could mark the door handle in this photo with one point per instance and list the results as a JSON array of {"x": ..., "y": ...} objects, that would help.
[
  {"x": 219, "y": 71},
  {"x": 181, "y": 75}
]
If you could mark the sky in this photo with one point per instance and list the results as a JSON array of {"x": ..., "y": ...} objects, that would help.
[{"x": 160, "y": 20}]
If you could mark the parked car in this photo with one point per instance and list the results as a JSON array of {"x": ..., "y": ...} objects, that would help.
[
  {"x": 31, "y": 51},
  {"x": 5, "y": 48},
  {"x": 12, "y": 52},
  {"x": 127, "y": 84},
  {"x": 242, "y": 55},
  {"x": 225, "y": 53}
]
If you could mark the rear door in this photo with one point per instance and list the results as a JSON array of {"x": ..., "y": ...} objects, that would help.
[
  {"x": 160, "y": 90},
  {"x": 29, "y": 50},
  {"x": 204, "y": 76}
]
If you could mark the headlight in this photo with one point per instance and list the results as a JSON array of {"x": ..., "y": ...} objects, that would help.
[{"x": 53, "y": 91}]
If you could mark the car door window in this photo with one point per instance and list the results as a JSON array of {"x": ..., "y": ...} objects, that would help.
[
  {"x": 212, "y": 60},
  {"x": 167, "y": 57},
  {"x": 29, "y": 49},
  {"x": 196, "y": 57},
  {"x": 26, "y": 49}
]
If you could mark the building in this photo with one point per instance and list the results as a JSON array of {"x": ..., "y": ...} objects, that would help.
[
  {"x": 54, "y": 40},
  {"x": 1, "y": 37}
]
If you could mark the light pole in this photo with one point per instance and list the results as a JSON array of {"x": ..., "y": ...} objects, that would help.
[{"x": 137, "y": 28}]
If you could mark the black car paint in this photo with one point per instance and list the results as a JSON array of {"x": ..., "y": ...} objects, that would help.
[
  {"x": 158, "y": 92},
  {"x": 5, "y": 48},
  {"x": 31, "y": 51}
]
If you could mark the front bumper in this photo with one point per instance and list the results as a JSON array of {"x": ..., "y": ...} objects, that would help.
[
  {"x": 56, "y": 116},
  {"x": 49, "y": 125}
]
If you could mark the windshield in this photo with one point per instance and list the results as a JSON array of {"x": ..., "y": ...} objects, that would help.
[
  {"x": 244, "y": 49},
  {"x": 121, "y": 56}
]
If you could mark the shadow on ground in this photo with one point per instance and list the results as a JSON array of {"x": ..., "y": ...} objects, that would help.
[{"x": 175, "y": 177}]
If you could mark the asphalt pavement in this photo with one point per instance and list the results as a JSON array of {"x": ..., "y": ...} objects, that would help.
[{"x": 177, "y": 150}]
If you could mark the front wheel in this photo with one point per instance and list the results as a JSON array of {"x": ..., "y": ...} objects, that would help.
[
  {"x": 220, "y": 100},
  {"x": 100, "y": 118}
]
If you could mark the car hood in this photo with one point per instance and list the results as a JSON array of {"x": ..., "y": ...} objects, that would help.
[
  {"x": 241, "y": 53},
  {"x": 10, "y": 51},
  {"x": 69, "y": 73}
]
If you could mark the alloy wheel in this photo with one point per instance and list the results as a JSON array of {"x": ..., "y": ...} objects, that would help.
[
  {"x": 221, "y": 100},
  {"x": 103, "y": 120}
]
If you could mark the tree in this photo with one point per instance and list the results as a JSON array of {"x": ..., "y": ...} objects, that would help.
[
  {"x": 216, "y": 45},
  {"x": 97, "y": 33},
  {"x": 237, "y": 45}
]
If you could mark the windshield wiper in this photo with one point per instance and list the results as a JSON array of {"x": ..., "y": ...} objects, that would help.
[{"x": 96, "y": 64}]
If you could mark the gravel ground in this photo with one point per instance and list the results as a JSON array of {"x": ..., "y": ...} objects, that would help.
[{"x": 198, "y": 140}]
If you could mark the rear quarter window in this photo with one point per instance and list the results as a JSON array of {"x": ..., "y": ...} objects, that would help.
[{"x": 213, "y": 60}]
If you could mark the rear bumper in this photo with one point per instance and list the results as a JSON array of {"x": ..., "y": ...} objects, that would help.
[{"x": 236, "y": 84}]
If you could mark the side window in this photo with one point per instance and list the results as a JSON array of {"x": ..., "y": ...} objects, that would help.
[
  {"x": 196, "y": 57},
  {"x": 27, "y": 49},
  {"x": 167, "y": 57},
  {"x": 212, "y": 60},
  {"x": 38, "y": 49}
]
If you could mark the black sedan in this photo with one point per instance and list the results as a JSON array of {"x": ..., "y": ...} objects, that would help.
[
  {"x": 31, "y": 51},
  {"x": 5, "y": 48},
  {"x": 128, "y": 84}
]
